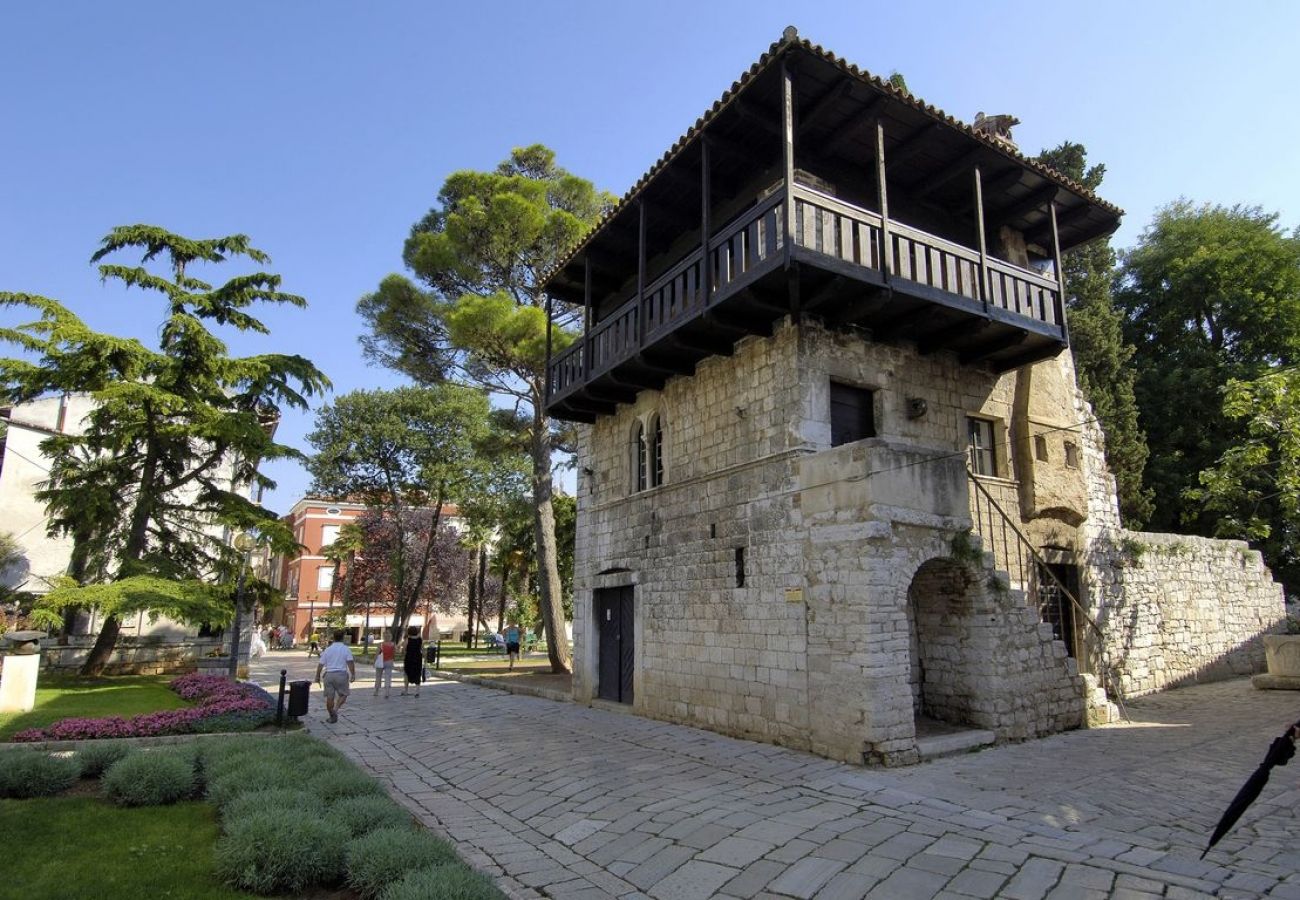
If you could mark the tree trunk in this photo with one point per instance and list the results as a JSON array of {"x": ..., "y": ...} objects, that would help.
[
  {"x": 103, "y": 649},
  {"x": 482, "y": 593},
  {"x": 501, "y": 601},
  {"x": 473, "y": 596},
  {"x": 548, "y": 570}
]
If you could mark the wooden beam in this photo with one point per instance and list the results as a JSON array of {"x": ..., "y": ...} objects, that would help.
[
  {"x": 743, "y": 151},
  {"x": 590, "y": 404},
  {"x": 610, "y": 393},
  {"x": 1062, "y": 221},
  {"x": 982, "y": 244},
  {"x": 661, "y": 366},
  {"x": 587, "y": 313},
  {"x": 815, "y": 112},
  {"x": 949, "y": 334},
  {"x": 908, "y": 146},
  {"x": 1060, "y": 272},
  {"x": 1029, "y": 356},
  {"x": 715, "y": 347},
  {"x": 995, "y": 185},
  {"x": 958, "y": 167},
  {"x": 882, "y": 202},
  {"x": 1018, "y": 208},
  {"x": 640, "y": 275},
  {"x": 706, "y": 218},
  {"x": 982, "y": 351},
  {"x": 854, "y": 125},
  {"x": 755, "y": 116},
  {"x": 890, "y": 328},
  {"x": 787, "y": 158}
]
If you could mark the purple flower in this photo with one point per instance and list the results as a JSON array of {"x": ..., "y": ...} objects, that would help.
[{"x": 219, "y": 705}]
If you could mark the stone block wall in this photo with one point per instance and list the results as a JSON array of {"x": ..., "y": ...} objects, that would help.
[
  {"x": 131, "y": 656},
  {"x": 1177, "y": 609}
]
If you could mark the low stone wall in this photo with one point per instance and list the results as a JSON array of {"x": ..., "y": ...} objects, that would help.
[
  {"x": 1178, "y": 609},
  {"x": 131, "y": 656}
]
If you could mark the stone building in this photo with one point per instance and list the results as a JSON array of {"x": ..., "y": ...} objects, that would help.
[{"x": 838, "y": 489}]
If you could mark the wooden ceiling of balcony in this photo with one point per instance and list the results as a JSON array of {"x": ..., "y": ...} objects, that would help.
[{"x": 930, "y": 158}]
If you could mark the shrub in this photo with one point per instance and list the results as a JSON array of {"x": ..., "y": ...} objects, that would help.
[
  {"x": 272, "y": 798},
  {"x": 332, "y": 783},
  {"x": 221, "y": 705},
  {"x": 447, "y": 882},
  {"x": 29, "y": 773},
  {"x": 376, "y": 859},
  {"x": 97, "y": 757},
  {"x": 250, "y": 774},
  {"x": 361, "y": 815},
  {"x": 279, "y": 850},
  {"x": 153, "y": 778}
]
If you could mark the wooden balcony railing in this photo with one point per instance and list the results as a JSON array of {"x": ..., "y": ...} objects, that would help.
[{"x": 753, "y": 243}]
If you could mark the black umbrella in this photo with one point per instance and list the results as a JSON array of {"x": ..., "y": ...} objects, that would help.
[{"x": 1279, "y": 754}]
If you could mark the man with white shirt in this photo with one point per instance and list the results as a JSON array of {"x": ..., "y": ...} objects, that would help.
[{"x": 340, "y": 670}]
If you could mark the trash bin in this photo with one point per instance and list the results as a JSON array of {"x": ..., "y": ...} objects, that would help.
[
  {"x": 431, "y": 653},
  {"x": 298, "y": 691}
]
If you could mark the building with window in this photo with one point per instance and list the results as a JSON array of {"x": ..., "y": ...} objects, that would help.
[
  {"x": 308, "y": 578},
  {"x": 838, "y": 488}
]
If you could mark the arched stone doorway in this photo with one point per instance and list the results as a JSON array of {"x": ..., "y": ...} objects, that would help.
[{"x": 940, "y": 615}]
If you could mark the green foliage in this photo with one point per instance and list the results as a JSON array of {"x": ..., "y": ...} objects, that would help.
[
  {"x": 397, "y": 450},
  {"x": 1254, "y": 486},
  {"x": 964, "y": 550},
  {"x": 478, "y": 313},
  {"x": 1102, "y": 356},
  {"x": 173, "y": 430},
  {"x": 186, "y": 601},
  {"x": 270, "y": 798},
  {"x": 361, "y": 815},
  {"x": 150, "y": 778},
  {"x": 1211, "y": 296},
  {"x": 331, "y": 783},
  {"x": 376, "y": 859},
  {"x": 280, "y": 851},
  {"x": 447, "y": 882},
  {"x": 96, "y": 756},
  {"x": 241, "y": 775},
  {"x": 31, "y": 773}
]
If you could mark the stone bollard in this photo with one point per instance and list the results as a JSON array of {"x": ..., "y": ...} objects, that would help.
[{"x": 23, "y": 662}]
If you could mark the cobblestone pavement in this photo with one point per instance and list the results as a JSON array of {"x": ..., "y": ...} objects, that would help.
[{"x": 560, "y": 800}]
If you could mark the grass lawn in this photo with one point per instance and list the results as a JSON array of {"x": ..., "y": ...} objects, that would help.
[
  {"x": 79, "y": 847},
  {"x": 494, "y": 666},
  {"x": 64, "y": 697}
]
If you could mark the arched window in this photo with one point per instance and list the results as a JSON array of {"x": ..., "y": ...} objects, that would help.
[
  {"x": 656, "y": 451},
  {"x": 638, "y": 458}
]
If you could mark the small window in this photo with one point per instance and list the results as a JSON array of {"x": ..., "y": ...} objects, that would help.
[
  {"x": 332, "y": 511},
  {"x": 329, "y": 534},
  {"x": 325, "y": 578},
  {"x": 657, "y": 453},
  {"x": 852, "y": 414},
  {"x": 638, "y": 458},
  {"x": 983, "y": 461},
  {"x": 1072, "y": 455},
  {"x": 1040, "y": 448},
  {"x": 740, "y": 567}
]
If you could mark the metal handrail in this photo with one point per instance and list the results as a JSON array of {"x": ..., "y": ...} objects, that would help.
[{"x": 1110, "y": 679}]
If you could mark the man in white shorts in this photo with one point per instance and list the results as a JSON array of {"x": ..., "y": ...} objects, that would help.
[{"x": 340, "y": 671}]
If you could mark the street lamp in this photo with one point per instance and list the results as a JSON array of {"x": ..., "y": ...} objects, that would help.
[{"x": 244, "y": 542}]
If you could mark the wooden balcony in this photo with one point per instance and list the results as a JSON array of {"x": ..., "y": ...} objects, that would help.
[{"x": 843, "y": 264}]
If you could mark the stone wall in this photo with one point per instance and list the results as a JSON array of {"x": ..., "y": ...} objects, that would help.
[
  {"x": 1175, "y": 609},
  {"x": 131, "y": 656},
  {"x": 814, "y": 648}
]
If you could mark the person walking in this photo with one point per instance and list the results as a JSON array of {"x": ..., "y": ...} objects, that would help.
[
  {"x": 514, "y": 637},
  {"x": 384, "y": 661},
  {"x": 340, "y": 671},
  {"x": 314, "y": 646},
  {"x": 413, "y": 660}
]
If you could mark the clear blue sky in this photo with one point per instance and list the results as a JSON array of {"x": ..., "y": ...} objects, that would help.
[{"x": 325, "y": 129}]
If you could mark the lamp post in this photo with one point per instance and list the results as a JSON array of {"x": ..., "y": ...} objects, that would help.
[{"x": 244, "y": 542}]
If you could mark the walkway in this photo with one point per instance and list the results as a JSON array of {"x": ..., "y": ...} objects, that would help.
[{"x": 555, "y": 799}]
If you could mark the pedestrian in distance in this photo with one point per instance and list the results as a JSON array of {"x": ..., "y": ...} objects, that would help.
[
  {"x": 384, "y": 662},
  {"x": 514, "y": 637},
  {"x": 339, "y": 671},
  {"x": 413, "y": 660},
  {"x": 314, "y": 646}
]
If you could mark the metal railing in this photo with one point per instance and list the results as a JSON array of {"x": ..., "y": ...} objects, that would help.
[{"x": 1056, "y": 604}]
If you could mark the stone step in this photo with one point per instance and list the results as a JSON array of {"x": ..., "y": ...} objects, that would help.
[{"x": 935, "y": 746}]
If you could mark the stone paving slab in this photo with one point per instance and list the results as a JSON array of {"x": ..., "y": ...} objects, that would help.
[{"x": 563, "y": 800}]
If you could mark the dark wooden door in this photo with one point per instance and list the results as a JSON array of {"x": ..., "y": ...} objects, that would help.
[{"x": 617, "y": 639}]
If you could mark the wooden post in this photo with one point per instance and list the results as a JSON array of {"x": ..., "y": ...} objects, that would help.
[
  {"x": 549, "y": 389},
  {"x": 882, "y": 199},
  {"x": 787, "y": 158},
  {"x": 589, "y": 314},
  {"x": 1060, "y": 274},
  {"x": 640, "y": 275},
  {"x": 706, "y": 226},
  {"x": 979, "y": 231}
]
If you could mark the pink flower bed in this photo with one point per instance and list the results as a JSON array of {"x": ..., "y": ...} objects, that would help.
[{"x": 220, "y": 705}]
